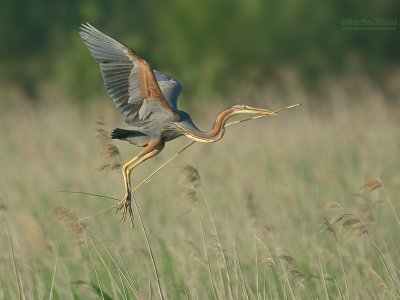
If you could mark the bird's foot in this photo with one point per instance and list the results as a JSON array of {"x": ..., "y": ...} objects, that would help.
[{"x": 125, "y": 206}]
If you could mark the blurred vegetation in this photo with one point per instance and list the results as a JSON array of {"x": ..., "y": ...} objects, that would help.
[
  {"x": 296, "y": 213},
  {"x": 208, "y": 45}
]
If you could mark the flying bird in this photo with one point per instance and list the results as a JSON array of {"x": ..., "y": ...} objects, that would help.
[{"x": 147, "y": 99}]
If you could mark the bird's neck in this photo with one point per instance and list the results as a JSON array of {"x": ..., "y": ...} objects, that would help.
[{"x": 215, "y": 133}]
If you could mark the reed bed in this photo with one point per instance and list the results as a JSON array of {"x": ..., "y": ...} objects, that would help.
[{"x": 299, "y": 206}]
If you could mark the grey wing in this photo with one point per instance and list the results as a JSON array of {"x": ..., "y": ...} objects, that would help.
[
  {"x": 128, "y": 78},
  {"x": 170, "y": 87}
]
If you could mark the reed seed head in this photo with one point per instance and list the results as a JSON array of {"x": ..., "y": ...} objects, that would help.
[
  {"x": 291, "y": 267},
  {"x": 109, "y": 167},
  {"x": 352, "y": 224},
  {"x": 73, "y": 223},
  {"x": 110, "y": 150},
  {"x": 375, "y": 284},
  {"x": 327, "y": 226},
  {"x": 267, "y": 258},
  {"x": 100, "y": 121},
  {"x": 191, "y": 175},
  {"x": 372, "y": 185},
  {"x": 334, "y": 205},
  {"x": 189, "y": 181},
  {"x": 102, "y": 135}
]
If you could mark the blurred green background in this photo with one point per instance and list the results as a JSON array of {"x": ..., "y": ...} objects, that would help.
[{"x": 212, "y": 47}]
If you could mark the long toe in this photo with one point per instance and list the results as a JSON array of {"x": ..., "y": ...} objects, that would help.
[
  {"x": 125, "y": 207},
  {"x": 131, "y": 216}
]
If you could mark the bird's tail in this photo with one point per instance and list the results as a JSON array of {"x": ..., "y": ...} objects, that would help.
[
  {"x": 135, "y": 137},
  {"x": 121, "y": 134}
]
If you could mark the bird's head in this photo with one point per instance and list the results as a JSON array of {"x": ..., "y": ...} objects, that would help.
[{"x": 247, "y": 109}]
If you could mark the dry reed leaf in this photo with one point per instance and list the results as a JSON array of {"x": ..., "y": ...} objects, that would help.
[{"x": 372, "y": 185}]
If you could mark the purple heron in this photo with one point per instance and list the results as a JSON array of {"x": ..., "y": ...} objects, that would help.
[{"x": 147, "y": 99}]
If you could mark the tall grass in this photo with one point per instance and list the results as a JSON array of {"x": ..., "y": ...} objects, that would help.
[{"x": 300, "y": 206}]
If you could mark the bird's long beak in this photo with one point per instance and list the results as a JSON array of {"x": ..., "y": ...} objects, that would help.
[{"x": 260, "y": 111}]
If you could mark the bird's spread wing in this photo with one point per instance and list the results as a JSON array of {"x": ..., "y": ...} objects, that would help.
[
  {"x": 129, "y": 79},
  {"x": 170, "y": 88}
]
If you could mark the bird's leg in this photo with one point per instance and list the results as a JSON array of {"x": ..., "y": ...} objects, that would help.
[
  {"x": 152, "y": 149},
  {"x": 125, "y": 203}
]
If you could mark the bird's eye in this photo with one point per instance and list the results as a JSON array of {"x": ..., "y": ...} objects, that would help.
[{"x": 245, "y": 107}]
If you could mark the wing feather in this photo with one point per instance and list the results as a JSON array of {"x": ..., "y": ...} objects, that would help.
[
  {"x": 129, "y": 79},
  {"x": 170, "y": 88}
]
